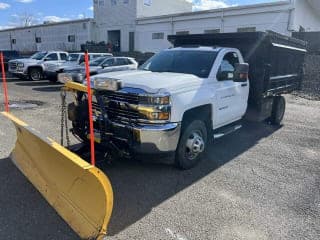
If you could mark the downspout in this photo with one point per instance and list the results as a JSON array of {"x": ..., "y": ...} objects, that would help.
[
  {"x": 222, "y": 21},
  {"x": 172, "y": 26},
  {"x": 11, "y": 47},
  {"x": 290, "y": 27}
]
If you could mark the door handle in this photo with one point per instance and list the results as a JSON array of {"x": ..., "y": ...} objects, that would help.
[{"x": 244, "y": 84}]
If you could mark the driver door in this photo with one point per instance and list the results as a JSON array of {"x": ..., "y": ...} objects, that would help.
[{"x": 232, "y": 97}]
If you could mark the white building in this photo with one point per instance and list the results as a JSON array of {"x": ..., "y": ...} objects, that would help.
[
  {"x": 282, "y": 16},
  {"x": 51, "y": 36},
  {"x": 143, "y": 25}
]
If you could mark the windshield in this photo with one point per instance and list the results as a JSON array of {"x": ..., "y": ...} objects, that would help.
[
  {"x": 73, "y": 57},
  {"x": 198, "y": 63},
  {"x": 39, "y": 55}
]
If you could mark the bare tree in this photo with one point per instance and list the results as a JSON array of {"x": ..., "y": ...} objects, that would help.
[{"x": 26, "y": 19}]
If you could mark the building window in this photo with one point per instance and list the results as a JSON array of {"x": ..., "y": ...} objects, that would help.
[
  {"x": 38, "y": 39},
  {"x": 14, "y": 41},
  {"x": 71, "y": 38},
  {"x": 125, "y": 1},
  {"x": 247, "y": 29},
  {"x": 212, "y": 31},
  {"x": 84, "y": 26},
  {"x": 182, "y": 33},
  {"x": 101, "y": 2},
  {"x": 113, "y": 2},
  {"x": 147, "y": 2},
  {"x": 157, "y": 35}
]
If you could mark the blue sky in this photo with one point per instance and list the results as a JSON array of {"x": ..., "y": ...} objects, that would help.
[{"x": 12, "y": 11}]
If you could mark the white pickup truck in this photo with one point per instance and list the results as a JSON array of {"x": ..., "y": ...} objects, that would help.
[
  {"x": 184, "y": 97},
  {"x": 35, "y": 66}
]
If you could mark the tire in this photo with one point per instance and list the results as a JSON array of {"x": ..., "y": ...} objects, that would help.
[
  {"x": 192, "y": 145},
  {"x": 278, "y": 110},
  {"x": 53, "y": 79},
  {"x": 35, "y": 74}
]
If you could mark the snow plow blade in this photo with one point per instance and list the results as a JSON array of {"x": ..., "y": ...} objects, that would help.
[{"x": 79, "y": 192}]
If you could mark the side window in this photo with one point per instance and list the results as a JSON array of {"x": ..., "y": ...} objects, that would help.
[
  {"x": 63, "y": 56},
  {"x": 109, "y": 63},
  {"x": 82, "y": 60},
  {"x": 52, "y": 57},
  {"x": 227, "y": 67},
  {"x": 122, "y": 62}
]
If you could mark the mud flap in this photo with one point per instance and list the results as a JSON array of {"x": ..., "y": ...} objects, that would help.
[{"x": 80, "y": 193}]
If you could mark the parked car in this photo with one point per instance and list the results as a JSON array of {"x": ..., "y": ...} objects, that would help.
[
  {"x": 98, "y": 66},
  {"x": 184, "y": 97},
  {"x": 73, "y": 61},
  {"x": 9, "y": 55},
  {"x": 35, "y": 66}
]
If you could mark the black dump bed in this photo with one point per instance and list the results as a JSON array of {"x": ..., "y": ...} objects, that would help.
[{"x": 276, "y": 61}]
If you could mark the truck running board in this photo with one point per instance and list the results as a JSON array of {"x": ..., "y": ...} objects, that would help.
[{"x": 221, "y": 132}]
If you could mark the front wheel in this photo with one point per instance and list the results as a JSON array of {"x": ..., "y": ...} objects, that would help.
[
  {"x": 35, "y": 74},
  {"x": 192, "y": 145}
]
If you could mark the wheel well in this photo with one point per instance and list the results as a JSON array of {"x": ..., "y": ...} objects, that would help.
[
  {"x": 203, "y": 113},
  {"x": 29, "y": 69}
]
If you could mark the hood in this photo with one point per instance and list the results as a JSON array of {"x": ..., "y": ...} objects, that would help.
[
  {"x": 26, "y": 60},
  {"x": 152, "y": 82}
]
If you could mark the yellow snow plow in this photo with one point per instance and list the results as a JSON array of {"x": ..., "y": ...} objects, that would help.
[{"x": 80, "y": 193}]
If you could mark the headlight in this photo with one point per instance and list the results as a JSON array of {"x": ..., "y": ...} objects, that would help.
[
  {"x": 156, "y": 113},
  {"x": 20, "y": 65},
  {"x": 163, "y": 99}
]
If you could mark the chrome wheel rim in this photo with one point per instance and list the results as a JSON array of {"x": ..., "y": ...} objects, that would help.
[
  {"x": 194, "y": 146},
  {"x": 35, "y": 75}
]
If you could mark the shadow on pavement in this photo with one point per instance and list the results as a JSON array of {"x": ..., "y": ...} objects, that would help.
[
  {"x": 25, "y": 214},
  {"x": 34, "y": 84},
  {"x": 138, "y": 188},
  {"x": 48, "y": 89}
]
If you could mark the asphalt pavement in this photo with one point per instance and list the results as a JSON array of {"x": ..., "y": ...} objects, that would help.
[{"x": 262, "y": 182}]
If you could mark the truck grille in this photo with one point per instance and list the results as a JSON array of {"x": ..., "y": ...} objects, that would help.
[
  {"x": 123, "y": 97},
  {"x": 13, "y": 66},
  {"x": 120, "y": 107}
]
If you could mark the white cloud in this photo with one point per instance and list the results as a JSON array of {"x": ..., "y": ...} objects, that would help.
[
  {"x": 90, "y": 8},
  {"x": 201, "y": 5},
  {"x": 55, "y": 19},
  {"x": 80, "y": 16},
  {"x": 5, "y": 27},
  {"x": 25, "y": 1},
  {"x": 4, "y": 6}
]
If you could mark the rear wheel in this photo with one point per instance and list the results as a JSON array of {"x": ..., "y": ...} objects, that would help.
[
  {"x": 192, "y": 145},
  {"x": 35, "y": 74},
  {"x": 278, "y": 110}
]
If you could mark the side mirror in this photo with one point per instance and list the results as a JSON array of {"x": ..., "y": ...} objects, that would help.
[
  {"x": 105, "y": 65},
  {"x": 241, "y": 72},
  {"x": 46, "y": 59}
]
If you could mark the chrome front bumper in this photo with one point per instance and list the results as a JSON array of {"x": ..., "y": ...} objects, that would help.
[{"x": 155, "y": 139}]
